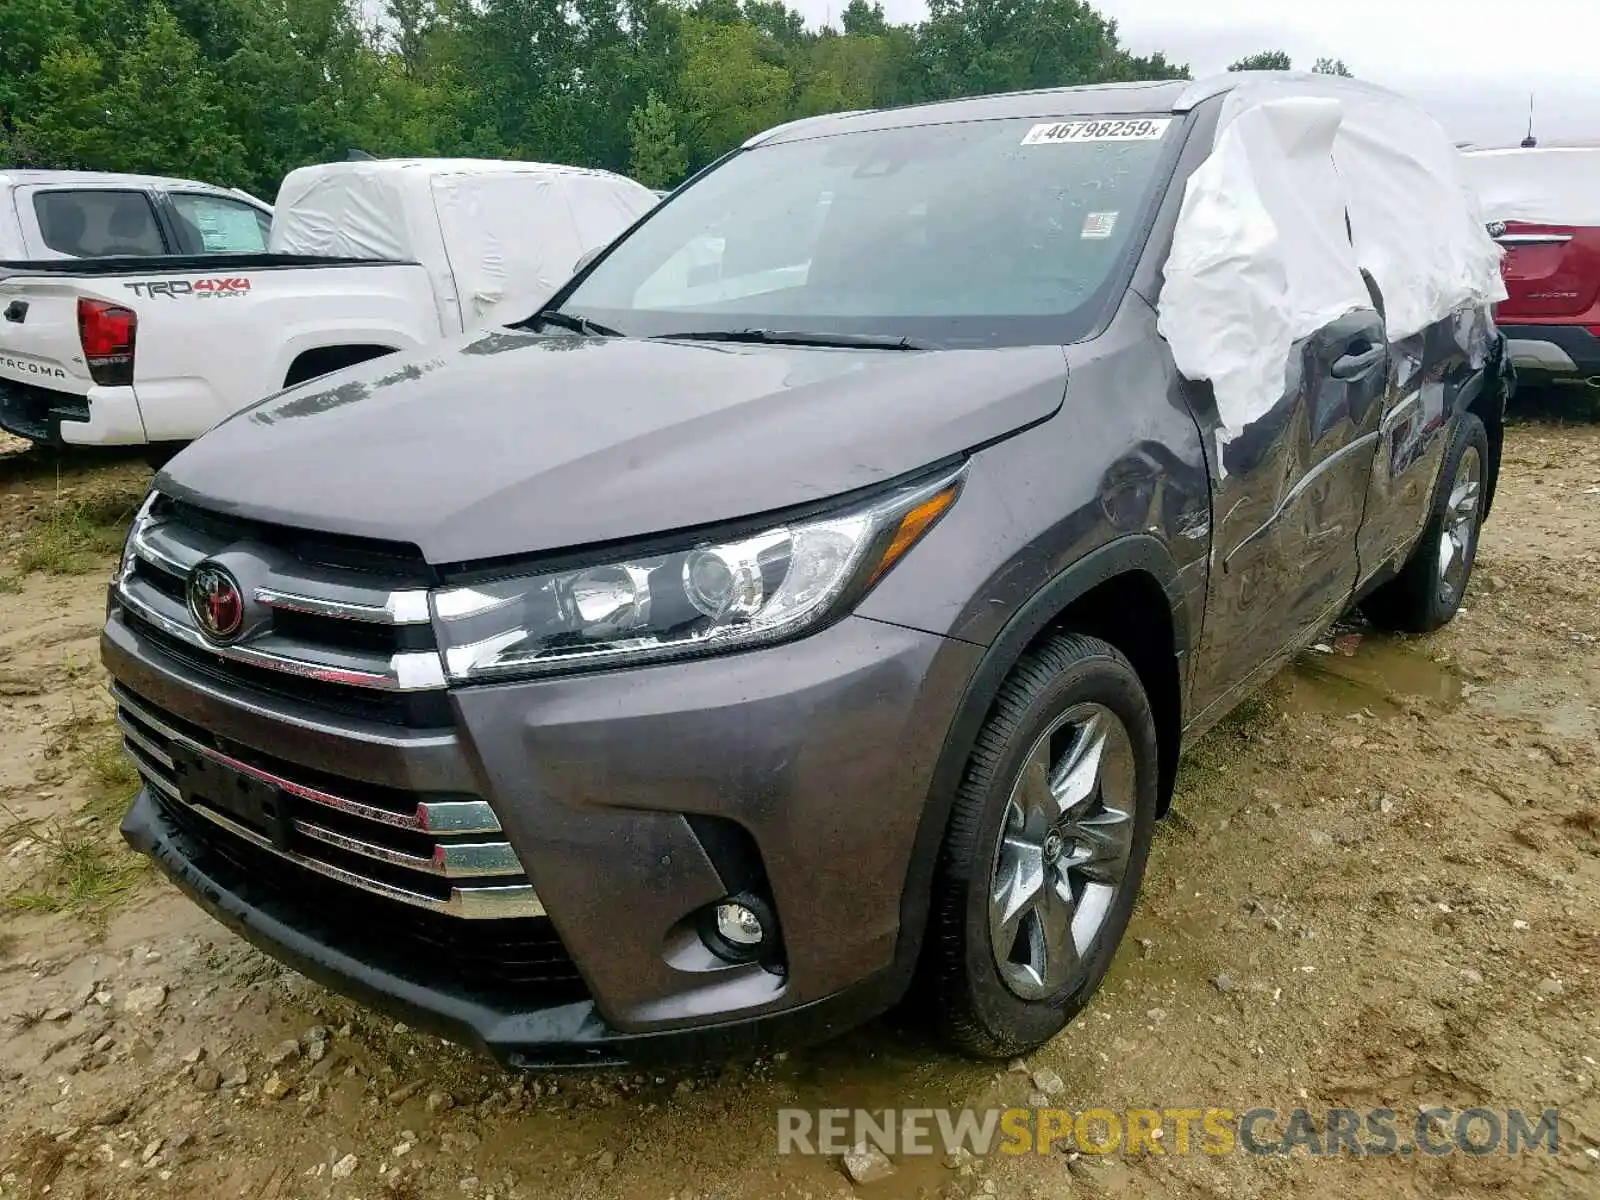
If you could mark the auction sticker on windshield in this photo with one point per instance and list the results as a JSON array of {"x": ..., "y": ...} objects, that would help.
[{"x": 1122, "y": 129}]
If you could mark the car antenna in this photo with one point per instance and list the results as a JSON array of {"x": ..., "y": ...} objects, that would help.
[
  {"x": 1529, "y": 142},
  {"x": 354, "y": 155}
]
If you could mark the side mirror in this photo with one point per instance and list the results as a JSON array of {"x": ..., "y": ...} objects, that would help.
[{"x": 587, "y": 258}]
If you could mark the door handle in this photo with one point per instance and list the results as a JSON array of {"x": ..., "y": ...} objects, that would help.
[
  {"x": 17, "y": 312},
  {"x": 1353, "y": 366}
]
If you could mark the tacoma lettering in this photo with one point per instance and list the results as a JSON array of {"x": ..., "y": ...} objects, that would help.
[{"x": 28, "y": 367}]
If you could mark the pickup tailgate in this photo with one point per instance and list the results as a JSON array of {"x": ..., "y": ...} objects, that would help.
[
  {"x": 44, "y": 379},
  {"x": 39, "y": 333}
]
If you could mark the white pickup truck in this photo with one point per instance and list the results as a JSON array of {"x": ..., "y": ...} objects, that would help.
[
  {"x": 365, "y": 258},
  {"x": 94, "y": 214}
]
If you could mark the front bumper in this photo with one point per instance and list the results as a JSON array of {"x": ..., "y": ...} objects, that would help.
[
  {"x": 528, "y": 1037},
  {"x": 618, "y": 791}
]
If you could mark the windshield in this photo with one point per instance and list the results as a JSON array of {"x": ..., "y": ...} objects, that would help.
[{"x": 998, "y": 232}]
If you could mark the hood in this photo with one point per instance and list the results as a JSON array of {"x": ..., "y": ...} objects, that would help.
[{"x": 512, "y": 443}]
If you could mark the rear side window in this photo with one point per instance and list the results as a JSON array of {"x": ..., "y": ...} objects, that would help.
[
  {"x": 98, "y": 223},
  {"x": 217, "y": 225}
]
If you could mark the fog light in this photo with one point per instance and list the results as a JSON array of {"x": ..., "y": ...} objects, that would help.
[
  {"x": 740, "y": 925},
  {"x": 742, "y": 928}
]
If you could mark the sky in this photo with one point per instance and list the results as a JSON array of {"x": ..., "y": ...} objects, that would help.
[{"x": 1472, "y": 64}]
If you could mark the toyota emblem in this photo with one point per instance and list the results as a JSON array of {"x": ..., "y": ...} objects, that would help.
[{"x": 215, "y": 602}]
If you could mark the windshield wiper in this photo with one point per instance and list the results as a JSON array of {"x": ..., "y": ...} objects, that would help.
[
  {"x": 577, "y": 324},
  {"x": 797, "y": 337}
]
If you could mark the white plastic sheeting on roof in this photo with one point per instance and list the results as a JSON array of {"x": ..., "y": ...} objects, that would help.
[
  {"x": 513, "y": 239},
  {"x": 1261, "y": 257},
  {"x": 1557, "y": 185},
  {"x": 496, "y": 238}
]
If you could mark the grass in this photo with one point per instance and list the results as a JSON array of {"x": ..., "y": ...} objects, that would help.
[
  {"x": 83, "y": 873},
  {"x": 76, "y": 536},
  {"x": 91, "y": 744},
  {"x": 10, "y": 585},
  {"x": 84, "y": 867}
]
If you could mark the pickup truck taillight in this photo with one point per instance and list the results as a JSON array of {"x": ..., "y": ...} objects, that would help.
[{"x": 107, "y": 332}]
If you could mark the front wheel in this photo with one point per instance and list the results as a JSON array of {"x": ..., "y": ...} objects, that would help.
[
  {"x": 1045, "y": 849},
  {"x": 1427, "y": 592}
]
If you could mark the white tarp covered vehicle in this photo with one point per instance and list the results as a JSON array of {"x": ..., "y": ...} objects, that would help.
[
  {"x": 365, "y": 258},
  {"x": 1547, "y": 185},
  {"x": 1312, "y": 181},
  {"x": 494, "y": 236}
]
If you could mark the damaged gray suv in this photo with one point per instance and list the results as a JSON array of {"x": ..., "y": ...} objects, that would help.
[{"x": 808, "y": 608}]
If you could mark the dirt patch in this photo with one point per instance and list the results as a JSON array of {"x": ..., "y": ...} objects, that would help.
[{"x": 1379, "y": 888}]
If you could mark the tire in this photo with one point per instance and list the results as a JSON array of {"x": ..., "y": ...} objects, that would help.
[
  {"x": 1427, "y": 592},
  {"x": 1061, "y": 699}
]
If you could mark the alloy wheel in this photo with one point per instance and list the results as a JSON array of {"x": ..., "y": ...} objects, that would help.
[
  {"x": 1460, "y": 526},
  {"x": 1064, "y": 850}
]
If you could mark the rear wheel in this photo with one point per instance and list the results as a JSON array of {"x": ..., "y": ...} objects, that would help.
[
  {"x": 1045, "y": 849},
  {"x": 1427, "y": 592}
]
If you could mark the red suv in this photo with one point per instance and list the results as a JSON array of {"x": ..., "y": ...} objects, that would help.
[{"x": 1543, "y": 206}]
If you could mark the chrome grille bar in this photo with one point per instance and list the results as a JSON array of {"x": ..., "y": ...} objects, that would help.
[
  {"x": 162, "y": 555},
  {"x": 430, "y": 816},
  {"x": 471, "y": 903},
  {"x": 150, "y": 775},
  {"x": 451, "y": 861},
  {"x": 482, "y": 860},
  {"x": 163, "y": 550},
  {"x": 130, "y": 733},
  {"x": 409, "y": 607},
  {"x": 407, "y": 671}
]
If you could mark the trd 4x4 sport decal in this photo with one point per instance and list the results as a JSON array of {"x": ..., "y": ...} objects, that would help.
[{"x": 201, "y": 288}]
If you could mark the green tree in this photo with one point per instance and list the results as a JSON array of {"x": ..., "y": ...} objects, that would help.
[
  {"x": 29, "y": 31},
  {"x": 1331, "y": 66},
  {"x": 969, "y": 47},
  {"x": 66, "y": 121},
  {"x": 841, "y": 73},
  {"x": 657, "y": 159},
  {"x": 1264, "y": 60},
  {"x": 730, "y": 90},
  {"x": 243, "y": 91},
  {"x": 860, "y": 18},
  {"x": 777, "y": 20},
  {"x": 160, "y": 110}
]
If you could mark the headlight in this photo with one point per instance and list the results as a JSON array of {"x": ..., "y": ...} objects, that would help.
[{"x": 701, "y": 597}]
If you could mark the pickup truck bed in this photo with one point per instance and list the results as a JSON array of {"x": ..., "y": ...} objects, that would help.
[
  {"x": 264, "y": 320},
  {"x": 178, "y": 263}
]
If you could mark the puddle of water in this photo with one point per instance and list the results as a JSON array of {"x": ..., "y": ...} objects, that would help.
[
  {"x": 1380, "y": 672},
  {"x": 1560, "y": 706}
]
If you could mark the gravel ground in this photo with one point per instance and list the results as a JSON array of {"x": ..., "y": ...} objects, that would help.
[{"x": 1380, "y": 887}]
